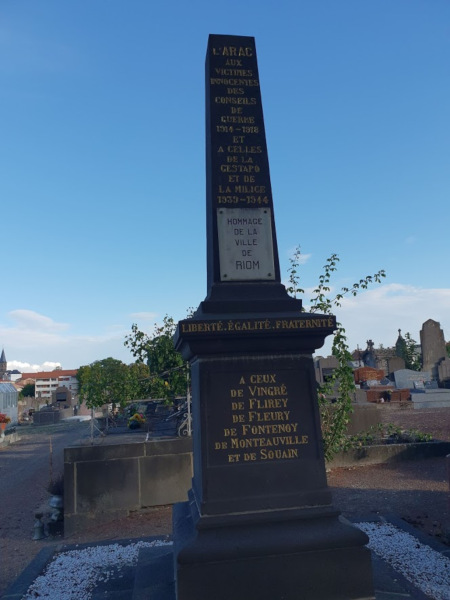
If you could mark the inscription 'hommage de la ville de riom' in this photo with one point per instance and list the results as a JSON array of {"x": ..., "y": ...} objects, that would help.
[{"x": 259, "y": 523}]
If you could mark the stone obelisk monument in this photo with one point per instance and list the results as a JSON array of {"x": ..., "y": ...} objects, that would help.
[{"x": 259, "y": 523}]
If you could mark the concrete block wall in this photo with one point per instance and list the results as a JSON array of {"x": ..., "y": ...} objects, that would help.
[{"x": 105, "y": 482}]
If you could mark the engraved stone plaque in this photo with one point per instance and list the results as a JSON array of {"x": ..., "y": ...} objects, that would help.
[
  {"x": 245, "y": 244},
  {"x": 265, "y": 416}
]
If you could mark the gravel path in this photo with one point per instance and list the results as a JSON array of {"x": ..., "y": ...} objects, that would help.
[
  {"x": 24, "y": 475},
  {"x": 415, "y": 490}
]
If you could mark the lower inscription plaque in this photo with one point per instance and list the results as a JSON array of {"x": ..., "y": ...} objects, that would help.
[{"x": 259, "y": 416}]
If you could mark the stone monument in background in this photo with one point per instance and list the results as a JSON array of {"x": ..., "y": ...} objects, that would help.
[
  {"x": 433, "y": 347},
  {"x": 259, "y": 522}
]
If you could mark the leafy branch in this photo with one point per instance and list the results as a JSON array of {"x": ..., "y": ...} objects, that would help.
[{"x": 334, "y": 417}]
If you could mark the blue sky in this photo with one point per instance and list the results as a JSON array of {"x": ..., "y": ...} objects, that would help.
[{"x": 102, "y": 168}]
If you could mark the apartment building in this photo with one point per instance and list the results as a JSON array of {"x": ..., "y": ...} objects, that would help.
[{"x": 47, "y": 382}]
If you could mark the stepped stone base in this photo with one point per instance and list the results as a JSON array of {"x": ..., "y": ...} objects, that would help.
[{"x": 301, "y": 553}]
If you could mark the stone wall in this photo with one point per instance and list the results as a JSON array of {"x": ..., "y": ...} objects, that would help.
[
  {"x": 104, "y": 482},
  {"x": 376, "y": 394}
]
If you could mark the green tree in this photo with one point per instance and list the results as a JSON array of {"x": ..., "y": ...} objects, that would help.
[
  {"x": 110, "y": 381},
  {"x": 412, "y": 354},
  {"x": 166, "y": 367},
  {"x": 334, "y": 417},
  {"x": 400, "y": 346},
  {"x": 28, "y": 391},
  {"x": 447, "y": 347}
]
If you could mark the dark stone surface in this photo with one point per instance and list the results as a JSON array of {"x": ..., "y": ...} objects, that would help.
[
  {"x": 259, "y": 521},
  {"x": 237, "y": 175},
  {"x": 287, "y": 556},
  {"x": 257, "y": 524},
  {"x": 272, "y": 457},
  {"x": 154, "y": 574}
]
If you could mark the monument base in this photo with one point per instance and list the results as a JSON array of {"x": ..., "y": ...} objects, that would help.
[{"x": 307, "y": 553}]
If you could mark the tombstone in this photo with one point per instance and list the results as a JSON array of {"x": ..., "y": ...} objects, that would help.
[
  {"x": 259, "y": 522},
  {"x": 395, "y": 363},
  {"x": 444, "y": 369},
  {"x": 406, "y": 378},
  {"x": 433, "y": 346},
  {"x": 325, "y": 367},
  {"x": 369, "y": 358}
]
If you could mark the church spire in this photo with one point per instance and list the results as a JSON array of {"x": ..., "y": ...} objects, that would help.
[{"x": 3, "y": 365}]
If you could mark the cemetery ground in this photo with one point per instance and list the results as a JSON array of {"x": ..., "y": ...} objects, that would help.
[{"x": 414, "y": 490}]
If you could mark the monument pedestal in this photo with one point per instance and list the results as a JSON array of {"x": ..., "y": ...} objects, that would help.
[
  {"x": 310, "y": 554},
  {"x": 259, "y": 523}
]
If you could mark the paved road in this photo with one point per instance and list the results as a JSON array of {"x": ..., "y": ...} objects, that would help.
[{"x": 24, "y": 475}]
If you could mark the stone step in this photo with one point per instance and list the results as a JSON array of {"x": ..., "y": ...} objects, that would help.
[
  {"x": 431, "y": 404},
  {"x": 154, "y": 579}
]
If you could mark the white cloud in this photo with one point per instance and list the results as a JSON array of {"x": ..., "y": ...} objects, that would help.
[
  {"x": 38, "y": 342},
  {"x": 31, "y": 320},
  {"x": 144, "y": 316},
  {"x": 302, "y": 259},
  {"x": 25, "y": 367},
  {"x": 377, "y": 314}
]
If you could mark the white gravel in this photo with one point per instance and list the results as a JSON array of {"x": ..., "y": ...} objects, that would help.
[
  {"x": 72, "y": 575},
  {"x": 425, "y": 568}
]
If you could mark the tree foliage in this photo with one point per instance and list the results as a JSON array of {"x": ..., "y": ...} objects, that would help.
[
  {"x": 412, "y": 354},
  {"x": 28, "y": 391},
  {"x": 110, "y": 381},
  {"x": 334, "y": 417},
  {"x": 167, "y": 371},
  {"x": 406, "y": 348}
]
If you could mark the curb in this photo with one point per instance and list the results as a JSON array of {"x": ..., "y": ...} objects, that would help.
[
  {"x": 19, "y": 587},
  {"x": 374, "y": 455}
]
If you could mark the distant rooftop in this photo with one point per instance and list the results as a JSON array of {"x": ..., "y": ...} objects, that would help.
[{"x": 50, "y": 374}]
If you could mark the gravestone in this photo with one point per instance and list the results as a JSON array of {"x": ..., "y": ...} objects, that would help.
[
  {"x": 407, "y": 378},
  {"x": 395, "y": 363},
  {"x": 369, "y": 358},
  {"x": 324, "y": 367},
  {"x": 259, "y": 522},
  {"x": 444, "y": 369},
  {"x": 433, "y": 347}
]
